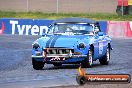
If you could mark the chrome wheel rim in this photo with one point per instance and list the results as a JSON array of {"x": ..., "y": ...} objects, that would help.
[
  {"x": 90, "y": 58},
  {"x": 108, "y": 54}
]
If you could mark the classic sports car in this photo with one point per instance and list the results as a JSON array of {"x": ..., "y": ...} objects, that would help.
[{"x": 72, "y": 41}]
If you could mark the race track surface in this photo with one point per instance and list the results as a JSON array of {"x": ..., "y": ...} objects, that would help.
[{"x": 16, "y": 68}]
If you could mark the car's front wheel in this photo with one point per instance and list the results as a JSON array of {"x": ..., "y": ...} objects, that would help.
[
  {"x": 38, "y": 65},
  {"x": 105, "y": 60},
  {"x": 89, "y": 60}
]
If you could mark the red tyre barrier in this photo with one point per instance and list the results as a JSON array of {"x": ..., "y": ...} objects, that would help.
[
  {"x": 119, "y": 29},
  {"x": 119, "y": 2},
  {"x": 125, "y": 2},
  {"x": 129, "y": 29}
]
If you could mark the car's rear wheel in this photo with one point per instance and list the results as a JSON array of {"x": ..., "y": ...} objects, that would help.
[
  {"x": 105, "y": 59},
  {"x": 57, "y": 64},
  {"x": 87, "y": 63},
  {"x": 38, "y": 65}
]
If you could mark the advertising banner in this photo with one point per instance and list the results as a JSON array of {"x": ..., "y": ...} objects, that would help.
[
  {"x": 24, "y": 26},
  {"x": 119, "y": 29},
  {"x": 130, "y": 25},
  {"x": 31, "y": 26},
  {"x": 103, "y": 26}
]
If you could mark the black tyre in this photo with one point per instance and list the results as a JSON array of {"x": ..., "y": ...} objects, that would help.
[
  {"x": 118, "y": 10},
  {"x": 57, "y": 64},
  {"x": 130, "y": 9},
  {"x": 105, "y": 60},
  {"x": 81, "y": 80},
  {"x": 87, "y": 63},
  {"x": 38, "y": 65}
]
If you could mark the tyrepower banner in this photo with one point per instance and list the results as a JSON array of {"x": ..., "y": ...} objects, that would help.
[
  {"x": 24, "y": 26},
  {"x": 115, "y": 29},
  {"x": 30, "y": 26},
  {"x": 119, "y": 29}
]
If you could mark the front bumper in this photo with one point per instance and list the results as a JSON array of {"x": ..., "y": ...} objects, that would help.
[
  {"x": 64, "y": 59},
  {"x": 65, "y": 56}
]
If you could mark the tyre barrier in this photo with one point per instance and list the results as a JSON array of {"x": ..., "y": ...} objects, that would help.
[
  {"x": 124, "y": 7},
  {"x": 130, "y": 9},
  {"x": 123, "y": 2},
  {"x": 119, "y": 10}
]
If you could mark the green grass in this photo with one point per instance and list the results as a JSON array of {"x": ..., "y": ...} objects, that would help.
[{"x": 40, "y": 15}]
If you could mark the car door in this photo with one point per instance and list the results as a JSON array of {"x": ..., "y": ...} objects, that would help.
[
  {"x": 105, "y": 44},
  {"x": 101, "y": 45},
  {"x": 96, "y": 47},
  {"x": 99, "y": 42}
]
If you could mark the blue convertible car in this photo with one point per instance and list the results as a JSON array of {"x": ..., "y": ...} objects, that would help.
[{"x": 72, "y": 41}]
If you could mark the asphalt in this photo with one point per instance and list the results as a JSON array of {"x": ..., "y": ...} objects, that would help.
[{"x": 16, "y": 69}]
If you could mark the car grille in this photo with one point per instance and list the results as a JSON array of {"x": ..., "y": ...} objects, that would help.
[{"x": 59, "y": 50}]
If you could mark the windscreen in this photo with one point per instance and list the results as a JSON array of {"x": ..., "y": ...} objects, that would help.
[{"x": 70, "y": 28}]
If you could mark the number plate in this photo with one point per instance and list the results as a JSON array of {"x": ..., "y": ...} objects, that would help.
[{"x": 57, "y": 59}]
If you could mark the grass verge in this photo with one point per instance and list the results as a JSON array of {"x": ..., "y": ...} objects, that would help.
[{"x": 40, "y": 15}]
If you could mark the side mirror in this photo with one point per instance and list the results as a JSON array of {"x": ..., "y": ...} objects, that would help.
[
  {"x": 100, "y": 33},
  {"x": 50, "y": 26},
  {"x": 43, "y": 34}
]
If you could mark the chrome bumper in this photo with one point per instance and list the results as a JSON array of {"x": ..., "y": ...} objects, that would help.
[{"x": 65, "y": 56}]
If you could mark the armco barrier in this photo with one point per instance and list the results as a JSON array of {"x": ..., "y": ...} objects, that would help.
[
  {"x": 119, "y": 29},
  {"x": 24, "y": 26},
  {"x": 30, "y": 26}
]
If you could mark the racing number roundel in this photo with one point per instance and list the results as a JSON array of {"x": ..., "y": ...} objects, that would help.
[{"x": 100, "y": 47}]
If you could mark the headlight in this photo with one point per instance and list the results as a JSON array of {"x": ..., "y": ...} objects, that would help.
[
  {"x": 81, "y": 45},
  {"x": 38, "y": 53},
  {"x": 36, "y": 46}
]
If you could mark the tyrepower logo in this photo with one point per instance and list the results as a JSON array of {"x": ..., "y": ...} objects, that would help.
[
  {"x": 2, "y": 27},
  {"x": 27, "y": 29}
]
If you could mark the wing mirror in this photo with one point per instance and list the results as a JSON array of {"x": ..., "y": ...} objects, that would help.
[
  {"x": 43, "y": 34},
  {"x": 100, "y": 33}
]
